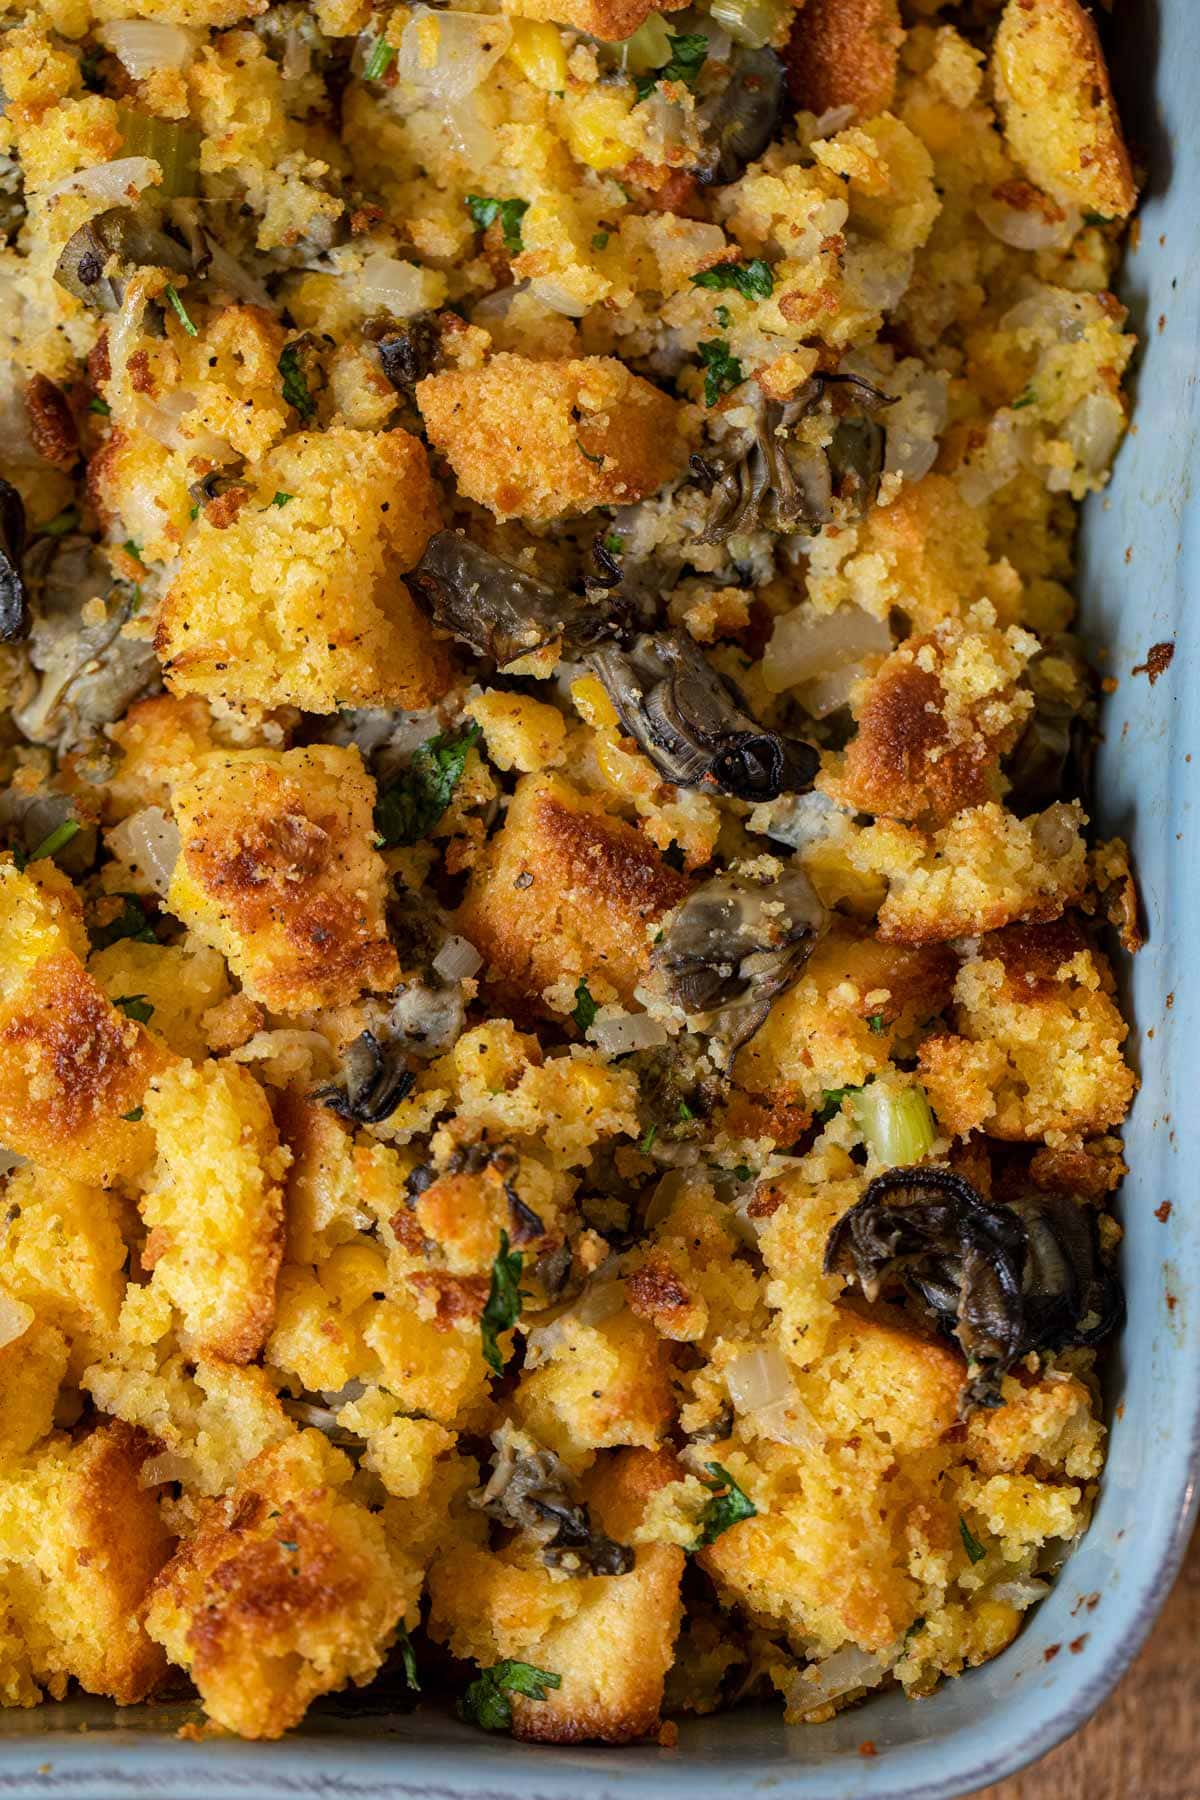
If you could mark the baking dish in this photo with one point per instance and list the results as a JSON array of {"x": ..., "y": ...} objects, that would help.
[{"x": 1140, "y": 554}]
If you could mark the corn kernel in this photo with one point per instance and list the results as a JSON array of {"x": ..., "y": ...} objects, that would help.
[
  {"x": 593, "y": 704},
  {"x": 537, "y": 50},
  {"x": 596, "y": 130},
  {"x": 353, "y": 1273}
]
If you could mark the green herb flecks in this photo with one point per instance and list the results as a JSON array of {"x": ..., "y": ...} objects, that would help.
[
  {"x": 752, "y": 280},
  {"x": 685, "y": 1112},
  {"x": 409, "y": 809},
  {"x": 281, "y": 499},
  {"x": 725, "y": 1508},
  {"x": 135, "y": 1006},
  {"x": 722, "y": 371},
  {"x": 180, "y": 310},
  {"x": 130, "y": 922},
  {"x": 831, "y": 1103},
  {"x": 971, "y": 1544},
  {"x": 614, "y": 543},
  {"x": 379, "y": 61},
  {"x": 591, "y": 457},
  {"x": 687, "y": 58},
  {"x": 585, "y": 1007},
  {"x": 486, "y": 1702},
  {"x": 97, "y": 405},
  {"x": 600, "y": 240},
  {"x": 295, "y": 387},
  {"x": 878, "y": 1023},
  {"x": 485, "y": 211},
  {"x": 647, "y": 1143},
  {"x": 503, "y": 1306},
  {"x": 723, "y": 316},
  {"x": 1027, "y": 398},
  {"x": 408, "y": 1657},
  {"x": 56, "y": 840},
  {"x": 134, "y": 1117},
  {"x": 63, "y": 522}
]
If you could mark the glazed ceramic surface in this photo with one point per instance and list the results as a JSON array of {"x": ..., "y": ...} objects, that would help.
[{"x": 1139, "y": 568}]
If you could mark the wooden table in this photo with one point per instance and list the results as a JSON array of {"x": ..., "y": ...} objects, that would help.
[{"x": 1144, "y": 1743}]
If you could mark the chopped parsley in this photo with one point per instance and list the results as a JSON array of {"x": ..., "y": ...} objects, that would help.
[
  {"x": 725, "y": 1508},
  {"x": 485, "y": 211},
  {"x": 130, "y": 922},
  {"x": 831, "y": 1103},
  {"x": 97, "y": 405},
  {"x": 295, "y": 387},
  {"x": 132, "y": 548},
  {"x": 408, "y": 1657},
  {"x": 135, "y": 1006},
  {"x": 379, "y": 61},
  {"x": 600, "y": 240},
  {"x": 134, "y": 1117},
  {"x": 971, "y": 1544},
  {"x": 918, "y": 1624},
  {"x": 1024, "y": 399},
  {"x": 56, "y": 840},
  {"x": 598, "y": 460},
  {"x": 878, "y": 1023},
  {"x": 647, "y": 1143},
  {"x": 486, "y": 1701},
  {"x": 722, "y": 372},
  {"x": 687, "y": 58},
  {"x": 585, "y": 1006},
  {"x": 62, "y": 522},
  {"x": 685, "y": 1112},
  {"x": 752, "y": 280},
  {"x": 503, "y": 1306},
  {"x": 409, "y": 809},
  {"x": 723, "y": 316},
  {"x": 281, "y": 499},
  {"x": 614, "y": 543},
  {"x": 180, "y": 310},
  {"x": 1095, "y": 218}
]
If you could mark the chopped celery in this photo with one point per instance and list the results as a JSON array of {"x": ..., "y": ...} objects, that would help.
[
  {"x": 175, "y": 148},
  {"x": 648, "y": 48},
  {"x": 751, "y": 22},
  {"x": 896, "y": 1124}
]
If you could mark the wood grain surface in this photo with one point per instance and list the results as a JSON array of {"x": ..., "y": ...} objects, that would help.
[{"x": 1144, "y": 1743}]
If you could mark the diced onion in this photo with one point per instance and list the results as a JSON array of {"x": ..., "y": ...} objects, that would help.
[
  {"x": 829, "y": 692},
  {"x": 227, "y": 270},
  {"x": 113, "y": 183},
  {"x": 751, "y": 22},
  {"x": 844, "y": 1672},
  {"x": 450, "y": 54},
  {"x": 897, "y": 1126},
  {"x": 162, "y": 420},
  {"x": 457, "y": 959},
  {"x": 168, "y": 1465},
  {"x": 806, "y": 644},
  {"x": 630, "y": 1031},
  {"x": 829, "y": 123},
  {"x": 146, "y": 45},
  {"x": 558, "y": 298},
  {"x": 288, "y": 1053},
  {"x": 148, "y": 843},
  {"x": 1043, "y": 225},
  {"x": 1020, "y": 1592},
  {"x": 649, "y": 47},
  {"x": 15, "y": 1318},
  {"x": 400, "y": 288},
  {"x": 599, "y": 1301},
  {"x": 760, "y": 1378}
]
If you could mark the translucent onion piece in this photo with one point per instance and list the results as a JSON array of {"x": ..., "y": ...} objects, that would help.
[
  {"x": 147, "y": 45},
  {"x": 557, "y": 297},
  {"x": 457, "y": 959},
  {"x": 632, "y": 1031},
  {"x": 649, "y": 47},
  {"x": 163, "y": 421},
  {"x": 148, "y": 843},
  {"x": 1021, "y": 1592},
  {"x": 806, "y": 644},
  {"x": 844, "y": 1672},
  {"x": 168, "y": 1465},
  {"x": 228, "y": 271},
  {"x": 599, "y": 1301},
  {"x": 1041, "y": 226},
  {"x": 113, "y": 183},
  {"x": 450, "y": 54},
  {"x": 15, "y": 1318},
  {"x": 760, "y": 1378},
  {"x": 751, "y": 22},
  {"x": 399, "y": 288}
]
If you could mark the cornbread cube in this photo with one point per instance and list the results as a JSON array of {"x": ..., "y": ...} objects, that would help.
[
  {"x": 819, "y": 1035},
  {"x": 521, "y": 733},
  {"x": 606, "y": 19},
  {"x": 179, "y": 981},
  {"x": 161, "y": 740},
  {"x": 318, "y": 1322},
  {"x": 32, "y": 1367},
  {"x": 80, "y": 1541},
  {"x": 542, "y": 440},
  {"x": 215, "y": 1206},
  {"x": 1056, "y": 104},
  {"x": 844, "y": 53},
  {"x": 598, "y": 1387},
  {"x": 566, "y": 890},
  {"x": 63, "y": 1253},
  {"x": 302, "y": 603},
  {"x": 278, "y": 871},
  {"x": 611, "y": 1638},
  {"x": 983, "y": 870},
  {"x": 934, "y": 724},
  {"x": 41, "y": 914},
  {"x": 285, "y": 1590},
  {"x": 1038, "y": 1049},
  {"x": 1046, "y": 1426},
  {"x": 432, "y": 1366},
  {"x": 73, "y": 1074}
]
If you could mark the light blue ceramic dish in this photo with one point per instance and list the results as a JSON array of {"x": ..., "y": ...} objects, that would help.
[{"x": 1141, "y": 556}]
